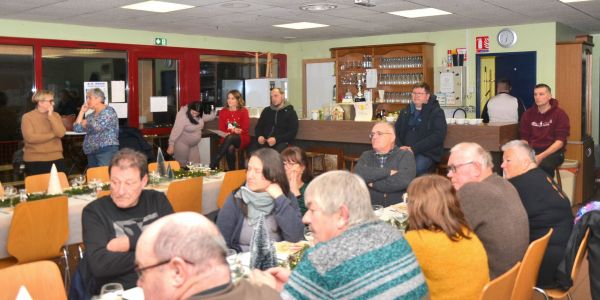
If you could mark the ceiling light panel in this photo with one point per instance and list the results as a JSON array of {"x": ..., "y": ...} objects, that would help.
[
  {"x": 157, "y": 6},
  {"x": 419, "y": 13},
  {"x": 301, "y": 25}
]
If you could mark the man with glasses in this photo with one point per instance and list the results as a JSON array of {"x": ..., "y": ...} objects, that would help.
[
  {"x": 421, "y": 128},
  {"x": 386, "y": 169},
  {"x": 491, "y": 206},
  {"x": 113, "y": 224},
  {"x": 182, "y": 256}
]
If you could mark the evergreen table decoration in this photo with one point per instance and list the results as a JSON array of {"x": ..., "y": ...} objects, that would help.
[{"x": 262, "y": 250}]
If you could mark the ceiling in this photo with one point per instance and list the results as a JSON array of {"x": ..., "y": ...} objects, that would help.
[{"x": 253, "y": 19}]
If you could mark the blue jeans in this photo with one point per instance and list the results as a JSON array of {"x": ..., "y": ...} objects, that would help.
[
  {"x": 423, "y": 164},
  {"x": 102, "y": 156}
]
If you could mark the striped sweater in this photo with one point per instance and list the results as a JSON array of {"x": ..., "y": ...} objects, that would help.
[{"x": 369, "y": 260}]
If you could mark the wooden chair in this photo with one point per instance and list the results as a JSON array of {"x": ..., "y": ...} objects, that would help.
[
  {"x": 39, "y": 183},
  {"x": 186, "y": 195},
  {"x": 231, "y": 181},
  {"x": 101, "y": 194},
  {"x": 1, "y": 190},
  {"x": 100, "y": 173},
  {"x": 502, "y": 286},
  {"x": 173, "y": 163},
  {"x": 352, "y": 160},
  {"x": 579, "y": 257},
  {"x": 530, "y": 267},
  {"x": 321, "y": 152},
  {"x": 42, "y": 280}
]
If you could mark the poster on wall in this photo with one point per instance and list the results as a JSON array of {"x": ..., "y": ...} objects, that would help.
[
  {"x": 103, "y": 85},
  {"x": 482, "y": 44}
]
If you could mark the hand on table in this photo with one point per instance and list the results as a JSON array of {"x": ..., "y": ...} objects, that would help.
[{"x": 118, "y": 244}]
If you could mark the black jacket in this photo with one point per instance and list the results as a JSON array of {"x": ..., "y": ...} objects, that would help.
[
  {"x": 281, "y": 124},
  {"x": 563, "y": 274},
  {"x": 431, "y": 131}
]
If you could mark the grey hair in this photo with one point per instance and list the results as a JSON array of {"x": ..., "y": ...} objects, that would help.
[
  {"x": 475, "y": 152},
  {"x": 191, "y": 238},
  {"x": 97, "y": 93},
  {"x": 522, "y": 147},
  {"x": 333, "y": 189},
  {"x": 129, "y": 158}
]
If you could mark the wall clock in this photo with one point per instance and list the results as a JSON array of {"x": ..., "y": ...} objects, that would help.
[{"x": 507, "y": 38}]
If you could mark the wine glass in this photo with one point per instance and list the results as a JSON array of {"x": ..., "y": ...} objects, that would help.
[
  {"x": 111, "y": 291},
  {"x": 154, "y": 177},
  {"x": 10, "y": 192},
  {"x": 190, "y": 165}
]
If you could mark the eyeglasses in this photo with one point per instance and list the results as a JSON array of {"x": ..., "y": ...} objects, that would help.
[
  {"x": 418, "y": 94},
  {"x": 140, "y": 271},
  {"x": 377, "y": 133},
  {"x": 453, "y": 168},
  {"x": 289, "y": 163}
]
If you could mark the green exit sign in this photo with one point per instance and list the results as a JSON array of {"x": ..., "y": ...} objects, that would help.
[{"x": 160, "y": 41}]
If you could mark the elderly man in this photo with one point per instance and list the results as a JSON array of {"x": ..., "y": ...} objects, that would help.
[
  {"x": 545, "y": 127},
  {"x": 182, "y": 256},
  {"x": 356, "y": 256},
  {"x": 278, "y": 124},
  {"x": 491, "y": 206},
  {"x": 113, "y": 224},
  {"x": 387, "y": 169},
  {"x": 421, "y": 128},
  {"x": 546, "y": 205}
]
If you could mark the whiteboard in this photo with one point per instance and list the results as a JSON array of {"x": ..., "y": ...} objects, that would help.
[{"x": 320, "y": 80}]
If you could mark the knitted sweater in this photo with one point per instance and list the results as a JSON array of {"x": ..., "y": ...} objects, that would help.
[
  {"x": 375, "y": 170},
  {"x": 495, "y": 212},
  {"x": 42, "y": 135},
  {"x": 448, "y": 264},
  {"x": 368, "y": 260}
]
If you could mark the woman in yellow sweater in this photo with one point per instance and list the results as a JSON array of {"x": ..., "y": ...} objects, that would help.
[
  {"x": 42, "y": 130},
  {"x": 450, "y": 254}
]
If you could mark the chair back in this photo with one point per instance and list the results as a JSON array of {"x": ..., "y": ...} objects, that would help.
[
  {"x": 39, "y": 183},
  {"x": 100, "y": 173},
  {"x": 38, "y": 229},
  {"x": 530, "y": 267},
  {"x": 101, "y": 194},
  {"x": 173, "y": 163},
  {"x": 42, "y": 280},
  {"x": 580, "y": 255},
  {"x": 186, "y": 195},
  {"x": 231, "y": 181},
  {"x": 502, "y": 286},
  {"x": 1, "y": 190}
]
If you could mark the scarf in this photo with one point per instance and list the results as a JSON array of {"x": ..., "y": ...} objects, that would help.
[{"x": 258, "y": 203}]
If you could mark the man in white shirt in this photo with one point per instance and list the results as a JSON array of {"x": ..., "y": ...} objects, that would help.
[{"x": 503, "y": 107}]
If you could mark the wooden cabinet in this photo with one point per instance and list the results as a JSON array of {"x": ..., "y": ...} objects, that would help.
[
  {"x": 398, "y": 67},
  {"x": 573, "y": 91}
]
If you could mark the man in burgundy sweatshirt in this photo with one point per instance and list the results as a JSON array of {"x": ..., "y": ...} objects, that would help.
[{"x": 545, "y": 127}]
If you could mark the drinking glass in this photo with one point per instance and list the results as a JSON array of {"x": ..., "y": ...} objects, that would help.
[
  {"x": 231, "y": 257},
  {"x": 111, "y": 291},
  {"x": 377, "y": 209},
  {"x": 80, "y": 180}
]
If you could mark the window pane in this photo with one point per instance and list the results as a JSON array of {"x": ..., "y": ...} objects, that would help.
[
  {"x": 158, "y": 78},
  {"x": 16, "y": 84},
  {"x": 220, "y": 74},
  {"x": 66, "y": 69}
]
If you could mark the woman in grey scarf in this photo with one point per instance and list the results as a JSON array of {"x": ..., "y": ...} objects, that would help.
[{"x": 266, "y": 192}]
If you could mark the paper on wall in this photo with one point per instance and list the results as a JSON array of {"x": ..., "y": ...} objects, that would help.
[
  {"x": 371, "y": 78},
  {"x": 120, "y": 108},
  {"x": 158, "y": 104},
  {"x": 103, "y": 85},
  {"x": 117, "y": 91},
  {"x": 363, "y": 111},
  {"x": 446, "y": 82}
]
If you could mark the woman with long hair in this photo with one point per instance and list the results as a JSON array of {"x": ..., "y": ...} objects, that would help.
[
  {"x": 187, "y": 133},
  {"x": 234, "y": 120},
  {"x": 451, "y": 256},
  {"x": 265, "y": 193},
  {"x": 297, "y": 172}
]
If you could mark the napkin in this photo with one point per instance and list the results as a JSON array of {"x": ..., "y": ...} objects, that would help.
[
  {"x": 23, "y": 294},
  {"x": 54, "y": 187}
]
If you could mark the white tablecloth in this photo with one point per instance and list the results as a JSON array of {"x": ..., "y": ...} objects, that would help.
[{"x": 210, "y": 192}]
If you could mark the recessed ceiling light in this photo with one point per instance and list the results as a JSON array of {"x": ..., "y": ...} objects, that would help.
[
  {"x": 157, "y": 6},
  {"x": 418, "y": 13},
  {"x": 570, "y": 1},
  {"x": 289, "y": 37},
  {"x": 318, "y": 7},
  {"x": 301, "y": 25},
  {"x": 235, "y": 5}
]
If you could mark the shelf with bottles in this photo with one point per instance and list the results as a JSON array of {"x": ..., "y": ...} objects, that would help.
[{"x": 401, "y": 62}]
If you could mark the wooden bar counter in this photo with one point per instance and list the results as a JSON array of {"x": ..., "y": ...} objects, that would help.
[{"x": 489, "y": 136}]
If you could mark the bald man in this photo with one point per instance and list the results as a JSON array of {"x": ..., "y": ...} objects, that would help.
[
  {"x": 386, "y": 169},
  {"x": 182, "y": 256}
]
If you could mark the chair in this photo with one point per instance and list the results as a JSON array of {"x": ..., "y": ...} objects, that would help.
[
  {"x": 98, "y": 173},
  {"x": 186, "y": 195},
  {"x": 558, "y": 293},
  {"x": 39, "y": 183},
  {"x": 42, "y": 280},
  {"x": 322, "y": 153},
  {"x": 352, "y": 160},
  {"x": 173, "y": 163},
  {"x": 101, "y": 194},
  {"x": 502, "y": 286},
  {"x": 530, "y": 266},
  {"x": 231, "y": 181},
  {"x": 1, "y": 190}
]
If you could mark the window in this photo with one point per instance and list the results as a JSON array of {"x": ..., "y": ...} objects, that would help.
[
  {"x": 158, "y": 88},
  {"x": 16, "y": 85}
]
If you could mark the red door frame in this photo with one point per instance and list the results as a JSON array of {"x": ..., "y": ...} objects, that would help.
[{"x": 189, "y": 67}]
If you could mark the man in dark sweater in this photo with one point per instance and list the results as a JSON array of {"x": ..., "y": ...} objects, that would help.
[
  {"x": 182, "y": 256},
  {"x": 386, "y": 169},
  {"x": 113, "y": 224},
  {"x": 545, "y": 127},
  {"x": 491, "y": 205},
  {"x": 277, "y": 126}
]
